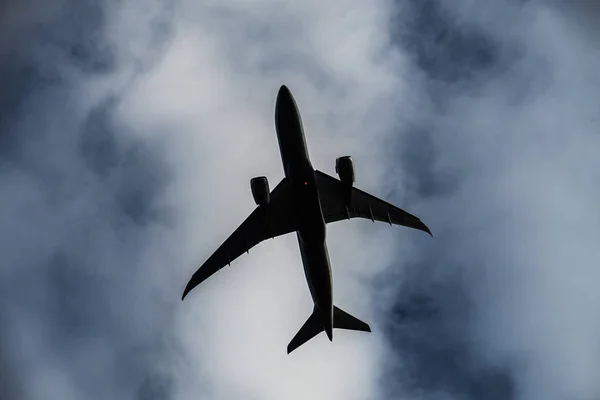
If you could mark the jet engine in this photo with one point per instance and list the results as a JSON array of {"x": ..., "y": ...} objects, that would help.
[
  {"x": 260, "y": 190},
  {"x": 345, "y": 169}
]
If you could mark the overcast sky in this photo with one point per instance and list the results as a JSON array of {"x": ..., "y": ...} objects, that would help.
[{"x": 129, "y": 131}]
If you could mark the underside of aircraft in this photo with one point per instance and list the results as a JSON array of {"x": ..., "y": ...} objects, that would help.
[{"x": 304, "y": 201}]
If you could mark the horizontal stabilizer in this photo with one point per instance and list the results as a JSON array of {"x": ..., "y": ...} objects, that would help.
[
  {"x": 311, "y": 328},
  {"x": 343, "y": 320}
]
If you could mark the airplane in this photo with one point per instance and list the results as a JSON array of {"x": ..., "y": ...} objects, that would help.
[{"x": 304, "y": 202}]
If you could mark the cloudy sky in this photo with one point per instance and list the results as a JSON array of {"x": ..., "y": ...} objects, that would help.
[{"x": 129, "y": 131}]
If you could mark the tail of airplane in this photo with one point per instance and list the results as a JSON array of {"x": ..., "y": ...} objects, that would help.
[{"x": 313, "y": 326}]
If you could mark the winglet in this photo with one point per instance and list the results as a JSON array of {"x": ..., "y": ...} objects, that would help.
[
  {"x": 418, "y": 224},
  {"x": 424, "y": 228},
  {"x": 191, "y": 284}
]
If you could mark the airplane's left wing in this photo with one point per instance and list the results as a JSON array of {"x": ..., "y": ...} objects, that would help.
[
  {"x": 340, "y": 201},
  {"x": 275, "y": 219}
]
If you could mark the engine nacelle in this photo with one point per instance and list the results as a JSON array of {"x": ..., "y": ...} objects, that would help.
[
  {"x": 260, "y": 190},
  {"x": 345, "y": 169}
]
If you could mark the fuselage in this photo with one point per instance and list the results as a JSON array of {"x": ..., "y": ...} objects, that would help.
[{"x": 307, "y": 205}]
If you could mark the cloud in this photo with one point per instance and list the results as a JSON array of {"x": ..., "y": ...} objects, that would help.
[
  {"x": 502, "y": 308},
  {"x": 133, "y": 130},
  {"x": 130, "y": 131},
  {"x": 236, "y": 337}
]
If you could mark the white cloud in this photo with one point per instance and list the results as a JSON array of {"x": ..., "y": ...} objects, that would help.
[{"x": 213, "y": 95}]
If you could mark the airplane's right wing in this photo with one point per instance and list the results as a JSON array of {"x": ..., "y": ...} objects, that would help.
[
  {"x": 264, "y": 223},
  {"x": 340, "y": 201}
]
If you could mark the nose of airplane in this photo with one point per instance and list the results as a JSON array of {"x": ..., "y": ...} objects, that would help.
[
  {"x": 285, "y": 105},
  {"x": 284, "y": 94}
]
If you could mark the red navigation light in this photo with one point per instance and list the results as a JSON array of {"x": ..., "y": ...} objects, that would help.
[{"x": 305, "y": 182}]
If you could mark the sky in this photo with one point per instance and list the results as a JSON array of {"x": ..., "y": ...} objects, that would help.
[{"x": 129, "y": 132}]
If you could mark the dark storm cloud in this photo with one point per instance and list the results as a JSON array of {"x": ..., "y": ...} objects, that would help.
[
  {"x": 429, "y": 323},
  {"x": 78, "y": 205},
  {"x": 443, "y": 48},
  {"x": 473, "y": 72}
]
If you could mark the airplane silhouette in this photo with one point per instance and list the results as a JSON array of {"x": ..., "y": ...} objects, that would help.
[{"x": 304, "y": 202}]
